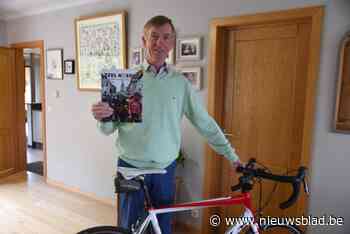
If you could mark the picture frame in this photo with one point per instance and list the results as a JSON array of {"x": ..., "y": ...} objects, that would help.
[
  {"x": 69, "y": 67},
  {"x": 100, "y": 45},
  {"x": 137, "y": 56},
  {"x": 193, "y": 75},
  {"x": 54, "y": 64},
  {"x": 189, "y": 49},
  {"x": 342, "y": 109}
]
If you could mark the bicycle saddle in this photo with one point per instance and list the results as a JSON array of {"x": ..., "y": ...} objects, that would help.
[{"x": 130, "y": 173}]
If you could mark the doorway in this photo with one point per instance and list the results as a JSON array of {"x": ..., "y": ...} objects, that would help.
[
  {"x": 33, "y": 107},
  {"x": 34, "y": 103},
  {"x": 262, "y": 79}
]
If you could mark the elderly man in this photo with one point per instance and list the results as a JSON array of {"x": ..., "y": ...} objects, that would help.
[{"x": 155, "y": 142}]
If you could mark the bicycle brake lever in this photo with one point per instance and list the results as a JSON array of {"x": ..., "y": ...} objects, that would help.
[{"x": 306, "y": 187}]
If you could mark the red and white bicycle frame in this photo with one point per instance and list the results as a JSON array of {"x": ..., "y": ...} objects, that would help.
[{"x": 244, "y": 199}]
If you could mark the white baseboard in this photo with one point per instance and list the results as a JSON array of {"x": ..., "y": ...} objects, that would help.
[{"x": 107, "y": 201}]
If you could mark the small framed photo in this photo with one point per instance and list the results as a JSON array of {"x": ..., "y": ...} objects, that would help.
[
  {"x": 137, "y": 56},
  {"x": 193, "y": 75},
  {"x": 54, "y": 64},
  {"x": 171, "y": 57},
  {"x": 189, "y": 48},
  {"x": 69, "y": 66}
]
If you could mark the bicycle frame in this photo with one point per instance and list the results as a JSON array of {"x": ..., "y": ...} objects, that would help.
[{"x": 244, "y": 199}]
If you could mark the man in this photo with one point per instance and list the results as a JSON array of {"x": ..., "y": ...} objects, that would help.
[{"x": 155, "y": 142}]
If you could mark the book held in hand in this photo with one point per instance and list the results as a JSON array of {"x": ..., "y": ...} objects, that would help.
[{"x": 122, "y": 90}]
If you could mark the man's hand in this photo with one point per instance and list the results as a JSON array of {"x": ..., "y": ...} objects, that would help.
[
  {"x": 101, "y": 110},
  {"x": 237, "y": 164}
]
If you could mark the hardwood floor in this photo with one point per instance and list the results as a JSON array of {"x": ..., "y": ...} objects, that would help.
[{"x": 29, "y": 206}]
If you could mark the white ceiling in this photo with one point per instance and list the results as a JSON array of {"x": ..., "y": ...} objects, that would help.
[{"x": 12, "y": 9}]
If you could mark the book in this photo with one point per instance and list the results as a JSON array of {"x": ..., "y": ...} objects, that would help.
[{"x": 122, "y": 90}]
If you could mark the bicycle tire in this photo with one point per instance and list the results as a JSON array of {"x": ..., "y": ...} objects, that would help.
[
  {"x": 277, "y": 228},
  {"x": 105, "y": 230}
]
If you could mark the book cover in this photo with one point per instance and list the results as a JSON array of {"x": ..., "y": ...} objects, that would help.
[{"x": 122, "y": 90}]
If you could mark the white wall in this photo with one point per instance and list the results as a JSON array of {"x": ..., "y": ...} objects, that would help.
[
  {"x": 331, "y": 151},
  {"x": 81, "y": 157},
  {"x": 3, "y": 34}
]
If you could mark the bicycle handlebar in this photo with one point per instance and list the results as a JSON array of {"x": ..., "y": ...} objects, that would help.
[{"x": 249, "y": 172}]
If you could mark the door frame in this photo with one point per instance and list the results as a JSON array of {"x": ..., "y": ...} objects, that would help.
[
  {"x": 218, "y": 26},
  {"x": 40, "y": 45}
]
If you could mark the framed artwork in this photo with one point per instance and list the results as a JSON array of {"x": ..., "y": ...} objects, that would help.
[
  {"x": 171, "y": 57},
  {"x": 194, "y": 75},
  {"x": 342, "y": 109},
  {"x": 189, "y": 48},
  {"x": 137, "y": 56},
  {"x": 100, "y": 45},
  {"x": 54, "y": 64},
  {"x": 69, "y": 66}
]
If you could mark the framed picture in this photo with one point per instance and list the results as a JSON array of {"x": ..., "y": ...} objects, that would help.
[
  {"x": 189, "y": 48},
  {"x": 342, "y": 109},
  {"x": 100, "y": 45},
  {"x": 137, "y": 56},
  {"x": 171, "y": 57},
  {"x": 194, "y": 75},
  {"x": 69, "y": 66},
  {"x": 54, "y": 64}
]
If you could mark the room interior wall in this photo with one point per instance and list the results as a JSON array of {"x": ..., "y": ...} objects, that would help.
[{"x": 3, "y": 33}]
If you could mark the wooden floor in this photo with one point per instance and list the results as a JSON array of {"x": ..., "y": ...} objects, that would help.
[{"x": 29, "y": 206}]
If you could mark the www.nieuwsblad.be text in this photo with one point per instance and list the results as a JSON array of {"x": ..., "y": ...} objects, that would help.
[{"x": 325, "y": 220}]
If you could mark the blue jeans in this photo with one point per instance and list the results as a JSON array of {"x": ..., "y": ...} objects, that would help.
[{"x": 161, "y": 188}]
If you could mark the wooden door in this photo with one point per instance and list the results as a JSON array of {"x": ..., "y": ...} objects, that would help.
[
  {"x": 265, "y": 89},
  {"x": 20, "y": 74},
  {"x": 7, "y": 112},
  {"x": 262, "y": 76}
]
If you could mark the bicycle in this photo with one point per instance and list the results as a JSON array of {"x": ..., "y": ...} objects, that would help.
[{"x": 132, "y": 179}]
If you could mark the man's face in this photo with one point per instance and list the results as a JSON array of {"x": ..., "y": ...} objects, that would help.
[{"x": 158, "y": 41}]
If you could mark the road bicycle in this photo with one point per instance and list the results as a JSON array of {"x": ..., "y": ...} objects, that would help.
[{"x": 132, "y": 179}]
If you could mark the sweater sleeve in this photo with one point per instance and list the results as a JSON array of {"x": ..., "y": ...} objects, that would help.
[
  {"x": 107, "y": 128},
  {"x": 206, "y": 125}
]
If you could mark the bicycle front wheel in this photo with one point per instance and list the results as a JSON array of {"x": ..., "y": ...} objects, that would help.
[
  {"x": 105, "y": 230},
  {"x": 278, "y": 229}
]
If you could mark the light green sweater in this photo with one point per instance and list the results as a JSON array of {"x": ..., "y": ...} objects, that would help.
[{"x": 155, "y": 143}]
